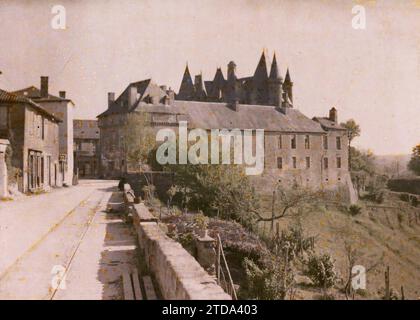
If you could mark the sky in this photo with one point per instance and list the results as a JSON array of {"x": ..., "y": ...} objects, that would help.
[{"x": 370, "y": 74}]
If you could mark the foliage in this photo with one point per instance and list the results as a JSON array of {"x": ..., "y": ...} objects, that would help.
[
  {"x": 321, "y": 270},
  {"x": 354, "y": 209},
  {"x": 201, "y": 221},
  {"x": 414, "y": 163},
  {"x": 353, "y": 129},
  {"x": 292, "y": 242},
  {"x": 405, "y": 197},
  {"x": 291, "y": 201},
  {"x": 149, "y": 191},
  {"x": 13, "y": 173},
  {"x": 269, "y": 280},
  {"x": 362, "y": 160},
  {"x": 217, "y": 190},
  {"x": 138, "y": 141}
]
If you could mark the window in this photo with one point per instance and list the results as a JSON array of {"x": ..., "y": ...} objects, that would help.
[
  {"x": 338, "y": 142},
  {"x": 307, "y": 142},
  {"x": 280, "y": 163},
  {"x": 293, "y": 142},
  {"x": 325, "y": 142},
  {"x": 43, "y": 123},
  {"x": 308, "y": 162},
  {"x": 339, "y": 162},
  {"x": 294, "y": 162},
  {"x": 3, "y": 117},
  {"x": 325, "y": 163},
  {"x": 280, "y": 142}
]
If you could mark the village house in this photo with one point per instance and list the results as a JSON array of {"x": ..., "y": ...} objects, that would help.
[
  {"x": 86, "y": 148},
  {"x": 32, "y": 133},
  {"x": 63, "y": 108},
  {"x": 309, "y": 152}
]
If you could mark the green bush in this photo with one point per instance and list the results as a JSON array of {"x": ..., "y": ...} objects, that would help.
[
  {"x": 405, "y": 197},
  {"x": 269, "y": 280},
  {"x": 354, "y": 209},
  {"x": 321, "y": 270}
]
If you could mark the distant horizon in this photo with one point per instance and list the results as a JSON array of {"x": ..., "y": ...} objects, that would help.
[{"x": 370, "y": 75}]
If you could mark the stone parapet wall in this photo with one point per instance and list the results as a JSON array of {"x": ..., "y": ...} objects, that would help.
[{"x": 178, "y": 274}]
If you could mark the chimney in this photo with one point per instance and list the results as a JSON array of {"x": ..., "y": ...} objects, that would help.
[
  {"x": 333, "y": 115},
  {"x": 171, "y": 95},
  {"x": 132, "y": 95},
  {"x": 44, "y": 87},
  {"x": 62, "y": 94},
  {"x": 111, "y": 98},
  {"x": 231, "y": 70}
]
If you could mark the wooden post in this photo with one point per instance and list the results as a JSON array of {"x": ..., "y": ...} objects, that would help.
[
  {"x": 272, "y": 210},
  {"x": 402, "y": 293},
  {"x": 218, "y": 259},
  {"x": 387, "y": 292}
]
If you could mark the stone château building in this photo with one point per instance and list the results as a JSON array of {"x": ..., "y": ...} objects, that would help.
[
  {"x": 63, "y": 108},
  {"x": 310, "y": 152},
  {"x": 33, "y": 136},
  {"x": 86, "y": 147}
]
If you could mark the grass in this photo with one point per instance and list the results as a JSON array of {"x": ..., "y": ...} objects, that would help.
[{"x": 382, "y": 236}]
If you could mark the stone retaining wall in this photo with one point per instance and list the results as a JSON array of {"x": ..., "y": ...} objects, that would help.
[{"x": 178, "y": 274}]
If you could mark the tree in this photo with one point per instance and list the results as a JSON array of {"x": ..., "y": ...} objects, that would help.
[
  {"x": 363, "y": 166},
  {"x": 289, "y": 200},
  {"x": 353, "y": 131},
  {"x": 222, "y": 190},
  {"x": 414, "y": 164},
  {"x": 272, "y": 278},
  {"x": 138, "y": 141}
]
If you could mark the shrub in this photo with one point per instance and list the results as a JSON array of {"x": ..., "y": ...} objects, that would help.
[
  {"x": 268, "y": 281},
  {"x": 405, "y": 197},
  {"x": 320, "y": 269},
  {"x": 377, "y": 195},
  {"x": 354, "y": 209},
  {"x": 414, "y": 202}
]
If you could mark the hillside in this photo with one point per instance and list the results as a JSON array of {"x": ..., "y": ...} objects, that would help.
[{"x": 384, "y": 235}]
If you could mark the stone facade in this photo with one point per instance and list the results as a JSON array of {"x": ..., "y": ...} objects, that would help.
[
  {"x": 86, "y": 147},
  {"x": 309, "y": 152},
  {"x": 3, "y": 169},
  {"x": 62, "y": 108},
  {"x": 33, "y": 135}
]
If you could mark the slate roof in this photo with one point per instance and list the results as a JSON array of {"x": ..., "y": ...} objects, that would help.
[
  {"x": 118, "y": 105},
  {"x": 327, "y": 124},
  {"x": 85, "y": 129},
  {"x": 9, "y": 97},
  {"x": 214, "y": 115},
  {"x": 34, "y": 93}
]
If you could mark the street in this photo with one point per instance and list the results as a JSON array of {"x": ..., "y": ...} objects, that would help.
[{"x": 64, "y": 245}]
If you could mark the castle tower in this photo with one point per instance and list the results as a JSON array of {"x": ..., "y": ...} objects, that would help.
[
  {"x": 200, "y": 92},
  {"x": 288, "y": 89},
  {"x": 231, "y": 87},
  {"x": 186, "y": 90},
  {"x": 259, "y": 83},
  {"x": 275, "y": 82},
  {"x": 218, "y": 86}
]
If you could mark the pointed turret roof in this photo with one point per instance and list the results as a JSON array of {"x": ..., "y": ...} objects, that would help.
[
  {"x": 274, "y": 72},
  {"x": 287, "y": 78},
  {"x": 261, "y": 70},
  {"x": 186, "y": 90}
]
